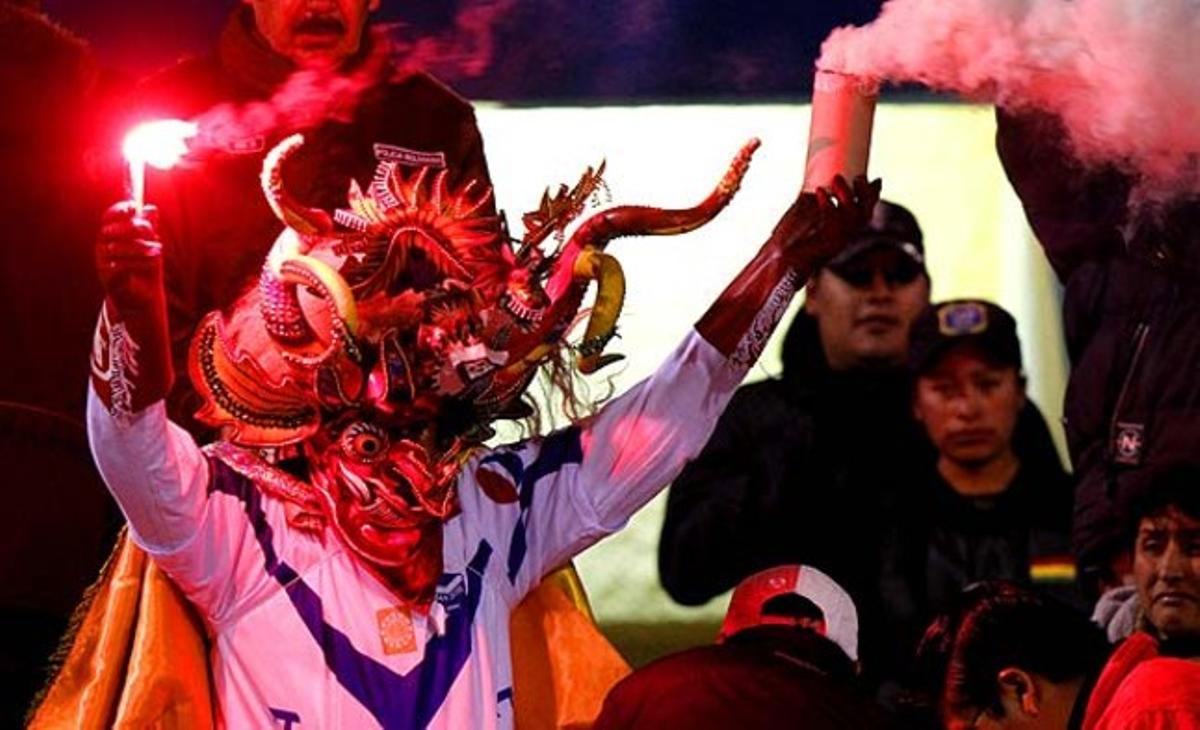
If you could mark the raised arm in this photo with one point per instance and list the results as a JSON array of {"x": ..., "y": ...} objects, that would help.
[
  {"x": 604, "y": 470},
  {"x": 643, "y": 440},
  {"x": 1075, "y": 212},
  {"x": 154, "y": 470},
  {"x": 184, "y": 509}
]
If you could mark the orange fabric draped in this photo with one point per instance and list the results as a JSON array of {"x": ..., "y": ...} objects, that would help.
[
  {"x": 139, "y": 657},
  {"x": 563, "y": 667}
]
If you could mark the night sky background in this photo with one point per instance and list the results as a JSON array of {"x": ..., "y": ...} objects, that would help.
[{"x": 533, "y": 50}]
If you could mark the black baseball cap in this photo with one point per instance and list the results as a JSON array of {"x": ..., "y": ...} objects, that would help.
[
  {"x": 891, "y": 226},
  {"x": 983, "y": 324}
]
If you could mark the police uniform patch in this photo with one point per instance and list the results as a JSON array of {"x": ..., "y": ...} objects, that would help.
[
  {"x": 962, "y": 318},
  {"x": 405, "y": 156}
]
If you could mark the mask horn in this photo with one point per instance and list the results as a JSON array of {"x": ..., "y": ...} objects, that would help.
[{"x": 304, "y": 220}]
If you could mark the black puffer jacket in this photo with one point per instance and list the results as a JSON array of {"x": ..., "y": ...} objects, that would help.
[
  {"x": 805, "y": 469},
  {"x": 821, "y": 468},
  {"x": 1132, "y": 315},
  {"x": 216, "y": 225},
  {"x": 950, "y": 541}
]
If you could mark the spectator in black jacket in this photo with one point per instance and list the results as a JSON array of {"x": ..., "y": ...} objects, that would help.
[
  {"x": 1131, "y": 308},
  {"x": 785, "y": 658},
  {"x": 821, "y": 465},
  {"x": 215, "y": 223},
  {"x": 990, "y": 508},
  {"x": 805, "y": 468}
]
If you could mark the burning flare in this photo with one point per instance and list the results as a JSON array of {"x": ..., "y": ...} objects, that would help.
[{"x": 160, "y": 144}]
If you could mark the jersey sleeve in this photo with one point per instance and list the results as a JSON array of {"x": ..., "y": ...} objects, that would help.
[
  {"x": 207, "y": 527},
  {"x": 548, "y": 499}
]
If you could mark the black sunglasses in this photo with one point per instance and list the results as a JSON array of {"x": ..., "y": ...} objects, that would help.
[{"x": 860, "y": 273}]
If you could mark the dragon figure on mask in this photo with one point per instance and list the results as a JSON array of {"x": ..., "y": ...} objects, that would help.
[{"x": 385, "y": 339}]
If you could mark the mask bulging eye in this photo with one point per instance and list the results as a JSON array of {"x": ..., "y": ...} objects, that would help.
[{"x": 364, "y": 442}]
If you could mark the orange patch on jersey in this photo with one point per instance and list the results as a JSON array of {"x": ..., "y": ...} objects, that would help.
[{"x": 396, "y": 631}]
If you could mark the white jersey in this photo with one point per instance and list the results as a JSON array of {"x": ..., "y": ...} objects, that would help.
[{"x": 305, "y": 636}]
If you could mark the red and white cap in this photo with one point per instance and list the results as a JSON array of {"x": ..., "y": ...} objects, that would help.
[{"x": 840, "y": 615}]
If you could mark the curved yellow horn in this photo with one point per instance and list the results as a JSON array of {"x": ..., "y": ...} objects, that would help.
[{"x": 610, "y": 298}]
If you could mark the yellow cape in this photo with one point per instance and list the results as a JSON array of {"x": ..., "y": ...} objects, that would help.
[{"x": 139, "y": 657}]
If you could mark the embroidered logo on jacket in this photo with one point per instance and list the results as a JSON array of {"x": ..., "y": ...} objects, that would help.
[
  {"x": 246, "y": 145},
  {"x": 405, "y": 156},
  {"x": 1128, "y": 443}
]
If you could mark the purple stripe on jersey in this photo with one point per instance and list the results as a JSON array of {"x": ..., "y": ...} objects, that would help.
[
  {"x": 557, "y": 450},
  {"x": 396, "y": 701},
  {"x": 225, "y": 480}
]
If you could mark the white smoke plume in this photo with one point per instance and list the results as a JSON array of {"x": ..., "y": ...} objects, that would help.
[
  {"x": 1121, "y": 74},
  {"x": 306, "y": 98}
]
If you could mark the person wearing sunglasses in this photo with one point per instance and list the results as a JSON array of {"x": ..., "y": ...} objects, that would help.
[{"x": 806, "y": 467}]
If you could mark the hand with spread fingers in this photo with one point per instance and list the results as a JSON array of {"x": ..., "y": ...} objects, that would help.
[{"x": 819, "y": 224}]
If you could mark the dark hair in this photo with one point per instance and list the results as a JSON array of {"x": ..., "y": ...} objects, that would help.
[
  {"x": 792, "y": 605},
  {"x": 998, "y": 625},
  {"x": 1172, "y": 485}
]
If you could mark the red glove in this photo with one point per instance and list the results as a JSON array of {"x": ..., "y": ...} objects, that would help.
[
  {"x": 131, "y": 355},
  {"x": 813, "y": 229}
]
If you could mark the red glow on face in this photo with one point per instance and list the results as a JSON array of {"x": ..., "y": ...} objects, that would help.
[{"x": 160, "y": 144}]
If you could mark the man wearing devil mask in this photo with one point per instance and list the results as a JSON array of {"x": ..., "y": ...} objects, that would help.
[{"x": 372, "y": 584}]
